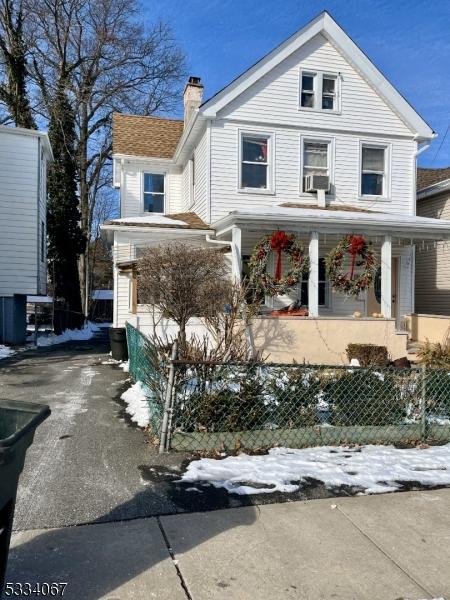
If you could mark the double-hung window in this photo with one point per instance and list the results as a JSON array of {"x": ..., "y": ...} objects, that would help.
[
  {"x": 316, "y": 159},
  {"x": 255, "y": 162},
  {"x": 373, "y": 170},
  {"x": 154, "y": 192},
  {"x": 328, "y": 92},
  {"x": 308, "y": 86},
  {"x": 318, "y": 91}
]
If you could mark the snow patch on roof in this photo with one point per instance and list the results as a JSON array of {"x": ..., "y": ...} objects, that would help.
[
  {"x": 336, "y": 215},
  {"x": 150, "y": 219}
]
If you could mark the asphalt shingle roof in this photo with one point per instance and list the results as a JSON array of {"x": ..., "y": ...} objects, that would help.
[
  {"x": 146, "y": 136},
  {"x": 427, "y": 177}
]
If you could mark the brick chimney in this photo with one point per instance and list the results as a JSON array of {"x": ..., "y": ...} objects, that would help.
[{"x": 192, "y": 96}]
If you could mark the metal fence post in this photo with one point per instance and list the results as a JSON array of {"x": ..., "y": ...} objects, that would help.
[
  {"x": 168, "y": 400},
  {"x": 423, "y": 404}
]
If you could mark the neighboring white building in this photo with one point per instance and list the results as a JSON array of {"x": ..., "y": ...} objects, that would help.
[
  {"x": 235, "y": 168},
  {"x": 24, "y": 155}
]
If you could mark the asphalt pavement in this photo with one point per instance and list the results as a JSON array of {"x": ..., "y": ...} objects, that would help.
[{"x": 86, "y": 460}]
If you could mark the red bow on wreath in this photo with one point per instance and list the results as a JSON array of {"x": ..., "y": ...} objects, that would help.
[
  {"x": 279, "y": 242},
  {"x": 357, "y": 245}
]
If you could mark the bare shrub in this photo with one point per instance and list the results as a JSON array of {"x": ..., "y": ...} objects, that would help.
[{"x": 183, "y": 282}]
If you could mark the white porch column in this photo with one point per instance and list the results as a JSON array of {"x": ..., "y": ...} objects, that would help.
[
  {"x": 313, "y": 282},
  {"x": 236, "y": 245},
  {"x": 386, "y": 277}
]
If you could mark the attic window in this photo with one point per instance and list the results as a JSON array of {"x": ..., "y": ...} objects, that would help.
[
  {"x": 318, "y": 91},
  {"x": 328, "y": 92},
  {"x": 307, "y": 97}
]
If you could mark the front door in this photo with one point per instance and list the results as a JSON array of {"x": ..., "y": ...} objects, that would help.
[{"x": 374, "y": 293}]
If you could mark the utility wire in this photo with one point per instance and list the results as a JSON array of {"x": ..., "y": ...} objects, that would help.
[{"x": 442, "y": 143}]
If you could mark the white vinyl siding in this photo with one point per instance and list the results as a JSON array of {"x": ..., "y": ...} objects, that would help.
[
  {"x": 186, "y": 187},
  {"x": 21, "y": 212},
  {"x": 275, "y": 97},
  {"x": 433, "y": 262},
  {"x": 131, "y": 193},
  {"x": 201, "y": 178},
  {"x": 225, "y": 196}
]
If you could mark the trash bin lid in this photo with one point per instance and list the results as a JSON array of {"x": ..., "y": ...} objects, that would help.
[{"x": 18, "y": 418}]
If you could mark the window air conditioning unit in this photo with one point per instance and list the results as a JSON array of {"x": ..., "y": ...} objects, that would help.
[{"x": 315, "y": 183}]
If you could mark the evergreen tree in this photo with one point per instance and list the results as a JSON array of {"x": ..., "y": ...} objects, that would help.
[
  {"x": 13, "y": 90},
  {"x": 65, "y": 240}
]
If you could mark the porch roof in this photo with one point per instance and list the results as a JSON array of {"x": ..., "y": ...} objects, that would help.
[{"x": 335, "y": 220}]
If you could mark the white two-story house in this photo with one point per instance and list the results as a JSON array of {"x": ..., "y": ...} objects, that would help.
[
  {"x": 240, "y": 164},
  {"x": 25, "y": 154}
]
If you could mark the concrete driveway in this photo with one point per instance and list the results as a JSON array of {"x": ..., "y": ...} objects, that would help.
[{"x": 387, "y": 547}]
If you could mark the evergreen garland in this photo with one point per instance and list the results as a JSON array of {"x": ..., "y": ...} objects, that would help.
[
  {"x": 276, "y": 285},
  {"x": 362, "y": 255}
]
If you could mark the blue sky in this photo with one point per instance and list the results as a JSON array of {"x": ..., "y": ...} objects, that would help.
[{"x": 408, "y": 40}]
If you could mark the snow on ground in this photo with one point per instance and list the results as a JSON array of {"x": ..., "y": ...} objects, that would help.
[
  {"x": 86, "y": 333},
  {"x": 5, "y": 351},
  {"x": 375, "y": 469},
  {"x": 137, "y": 404}
]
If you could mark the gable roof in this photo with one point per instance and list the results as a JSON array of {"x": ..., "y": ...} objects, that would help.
[
  {"x": 428, "y": 177},
  {"x": 145, "y": 136},
  {"x": 323, "y": 24}
]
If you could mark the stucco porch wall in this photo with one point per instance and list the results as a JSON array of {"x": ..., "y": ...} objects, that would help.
[
  {"x": 428, "y": 327},
  {"x": 323, "y": 340}
]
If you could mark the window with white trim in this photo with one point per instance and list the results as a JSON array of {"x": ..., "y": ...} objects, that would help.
[
  {"x": 316, "y": 159},
  {"x": 308, "y": 86},
  {"x": 328, "y": 92},
  {"x": 154, "y": 192},
  {"x": 318, "y": 91},
  {"x": 255, "y": 162},
  {"x": 373, "y": 170}
]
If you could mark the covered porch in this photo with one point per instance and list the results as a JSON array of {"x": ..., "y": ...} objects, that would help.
[{"x": 379, "y": 315}]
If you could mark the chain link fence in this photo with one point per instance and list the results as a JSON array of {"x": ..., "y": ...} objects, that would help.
[
  {"x": 146, "y": 367},
  {"x": 256, "y": 406}
]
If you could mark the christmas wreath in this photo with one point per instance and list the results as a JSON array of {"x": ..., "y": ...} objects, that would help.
[
  {"x": 362, "y": 255},
  {"x": 278, "y": 242}
]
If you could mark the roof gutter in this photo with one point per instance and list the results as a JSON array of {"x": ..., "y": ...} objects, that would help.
[
  {"x": 439, "y": 230},
  {"x": 141, "y": 229},
  {"x": 433, "y": 190}
]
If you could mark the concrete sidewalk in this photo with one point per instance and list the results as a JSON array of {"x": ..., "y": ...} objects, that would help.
[{"x": 386, "y": 547}]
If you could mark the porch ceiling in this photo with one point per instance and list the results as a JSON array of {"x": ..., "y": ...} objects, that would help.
[{"x": 337, "y": 221}]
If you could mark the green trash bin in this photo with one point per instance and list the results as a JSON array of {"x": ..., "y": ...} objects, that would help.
[{"x": 18, "y": 422}]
